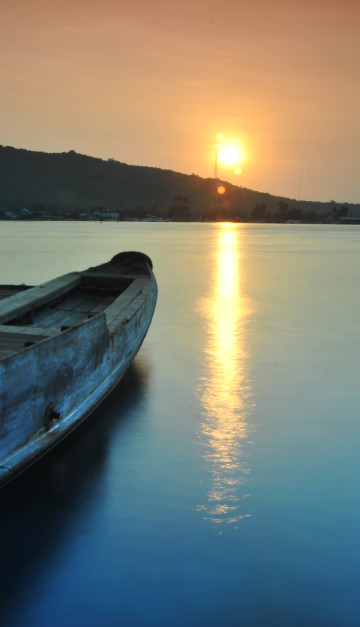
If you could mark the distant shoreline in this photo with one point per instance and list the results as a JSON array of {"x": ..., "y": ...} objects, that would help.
[{"x": 347, "y": 222}]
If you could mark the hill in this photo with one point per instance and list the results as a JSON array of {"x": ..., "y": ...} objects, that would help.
[{"x": 56, "y": 184}]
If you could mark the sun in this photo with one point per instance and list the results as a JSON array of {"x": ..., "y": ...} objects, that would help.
[{"x": 229, "y": 155}]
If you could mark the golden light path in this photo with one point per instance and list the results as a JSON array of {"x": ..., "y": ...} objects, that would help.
[{"x": 225, "y": 390}]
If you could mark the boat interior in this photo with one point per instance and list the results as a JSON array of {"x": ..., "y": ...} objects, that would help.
[{"x": 92, "y": 295}]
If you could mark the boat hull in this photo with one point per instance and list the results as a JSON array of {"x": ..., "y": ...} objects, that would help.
[{"x": 71, "y": 372}]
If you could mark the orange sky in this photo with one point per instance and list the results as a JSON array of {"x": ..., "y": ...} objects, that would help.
[{"x": 152, "y": 83}]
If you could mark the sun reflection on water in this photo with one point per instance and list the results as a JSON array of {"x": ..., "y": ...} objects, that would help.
[{"x": 225, "y": 389}]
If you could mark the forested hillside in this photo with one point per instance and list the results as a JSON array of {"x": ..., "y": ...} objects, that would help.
[{"x": 71, "y": 183}]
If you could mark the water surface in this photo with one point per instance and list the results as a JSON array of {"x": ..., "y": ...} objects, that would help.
[{"x": 218, "y": 484}]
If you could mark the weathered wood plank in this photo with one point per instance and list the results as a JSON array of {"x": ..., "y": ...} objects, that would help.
[
  {"x": 27, "y": 330},
  {"x": 28, "y": 300},
  {"x": 80, "y": 301},
  {"x": 59, "y": 318},
  {"x": 14, "y": 342},
  {"x": 101, "y": 306}
]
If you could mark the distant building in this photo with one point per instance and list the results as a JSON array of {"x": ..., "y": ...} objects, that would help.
[
  {"x": 106, "y": 215},
  {"x": 352, "y": 218}
]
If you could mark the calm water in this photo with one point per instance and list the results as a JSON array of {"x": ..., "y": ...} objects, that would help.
[{"x": 218, "y": 484}]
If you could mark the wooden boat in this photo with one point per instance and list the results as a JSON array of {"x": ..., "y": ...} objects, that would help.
[{"x": 63, "y": 346}]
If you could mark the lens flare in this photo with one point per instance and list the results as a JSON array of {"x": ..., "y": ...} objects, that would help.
[{"x": 221, "y": 189}]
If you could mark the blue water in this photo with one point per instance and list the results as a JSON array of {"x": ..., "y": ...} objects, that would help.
[{"x": 218, "y": 484}]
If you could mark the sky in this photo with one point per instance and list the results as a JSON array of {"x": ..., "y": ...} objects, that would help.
[{"x": 155, "y": 83}]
